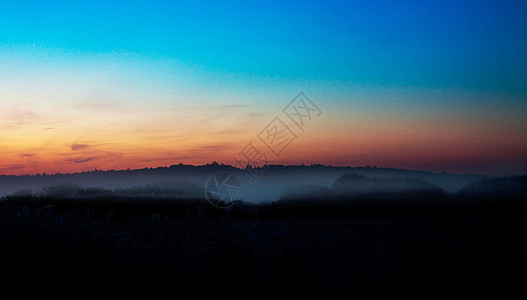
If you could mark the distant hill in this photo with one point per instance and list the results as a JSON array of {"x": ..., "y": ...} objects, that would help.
[
  {"x": 266, "y": 185},
  {"x": 505, "y": 187}
]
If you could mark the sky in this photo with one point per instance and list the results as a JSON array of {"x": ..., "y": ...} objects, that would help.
[{"x": 438, "y": 86}]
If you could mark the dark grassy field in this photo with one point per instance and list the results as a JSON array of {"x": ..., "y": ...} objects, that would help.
[{"x": 146, "y": 248}]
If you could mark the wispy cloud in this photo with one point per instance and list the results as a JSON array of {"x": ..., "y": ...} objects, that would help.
[
  {"x": 76, "y": 147},
  {"x": 4, "y": 168},
  {"x": 87, "y": 156},
  {"x": 95, "y": 105},
  {"x": 81, "y": 159},
  {"x": 232, "y": 106},
  {"x": 199, "y": 152},
  {"x": 16, "y": 117},
  {"x": 254, "y": 115}
]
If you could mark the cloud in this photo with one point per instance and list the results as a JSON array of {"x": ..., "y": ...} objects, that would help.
[
  {"x": 214, "y": 147},
  {"x": 103, "y": 157},
  {"x": 95, "y": 105},
  {"x": 229, "y": 131},
  {"x": 199, "y": 152},
  {"x": 16, "y": 117},
  {"x": 254, "y": 115},
  {"x": 75, "y": 147},
  {"x": 27, "y": 154},
  {"x": 81, "y": 160},
  {"x": 4, "y": 168},
  {"x": 231, "y": 106}
]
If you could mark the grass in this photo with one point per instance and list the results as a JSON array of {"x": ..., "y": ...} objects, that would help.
[{"x": 59, "y": 249}]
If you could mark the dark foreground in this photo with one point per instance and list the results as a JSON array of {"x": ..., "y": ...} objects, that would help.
[{"x": 190, "y": 251}]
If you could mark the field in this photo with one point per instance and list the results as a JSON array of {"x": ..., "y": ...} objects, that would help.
[{"x": 146, "y": 248}]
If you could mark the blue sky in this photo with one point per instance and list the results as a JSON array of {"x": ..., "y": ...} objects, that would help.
[{"x": 473, "y": 44}]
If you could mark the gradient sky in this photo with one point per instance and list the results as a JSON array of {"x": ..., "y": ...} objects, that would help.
[{"x": 438, "y": 86}]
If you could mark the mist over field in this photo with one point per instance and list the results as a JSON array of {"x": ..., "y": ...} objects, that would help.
[{"x": 267, "y": 186}]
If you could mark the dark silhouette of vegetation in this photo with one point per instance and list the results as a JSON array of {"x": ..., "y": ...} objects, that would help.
[
  {"x": 356, "y": 185},
  {"x": 505, "y": 187},
  {"x": 58, "y": 252},
  {"x": 360, "y": 237},
  {"x": 306, "y": 193},
  {"x": 175, "y": 190}
]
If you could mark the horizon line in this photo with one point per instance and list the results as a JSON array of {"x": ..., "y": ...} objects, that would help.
[{"x": 254, "y": 168}]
